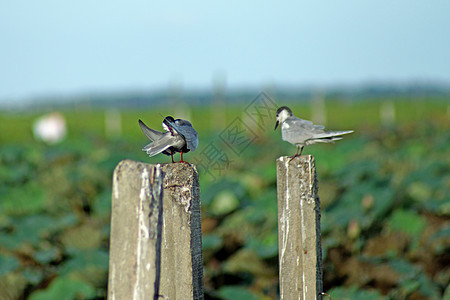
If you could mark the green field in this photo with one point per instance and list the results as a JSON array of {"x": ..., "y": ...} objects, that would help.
[{"x": 384, "y": 190}]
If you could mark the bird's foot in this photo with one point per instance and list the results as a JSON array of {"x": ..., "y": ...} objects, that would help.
[{"x": 293, "y": 156}]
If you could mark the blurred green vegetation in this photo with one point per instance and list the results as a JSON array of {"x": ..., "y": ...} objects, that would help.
[{"x": 384, "y": 192}]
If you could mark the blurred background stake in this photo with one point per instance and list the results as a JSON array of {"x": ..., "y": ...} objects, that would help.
[
  {"x": 180, "y": 108},
  {"x": 300, "y": 252},
  {"x": 155, "y": 232},
  {"x": 319, "y": 113},
  {"x": 387, "y": 113},
  {"x": 219, "y": 102},
  {"x": 113, "y": 123}
]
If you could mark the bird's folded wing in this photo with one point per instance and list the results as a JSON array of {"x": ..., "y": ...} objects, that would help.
[
  {"x": 188, "y": 132},
  {"x": 191, "y": 137},
  {"x": 150, "y": 133},
  {"x": 304, "y": 124}
]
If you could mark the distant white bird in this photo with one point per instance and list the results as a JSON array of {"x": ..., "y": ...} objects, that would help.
[
  {"x": 50, "y": 128},
  {"x": 180, "y": 136},
  {"x": 302, "y": 132}
]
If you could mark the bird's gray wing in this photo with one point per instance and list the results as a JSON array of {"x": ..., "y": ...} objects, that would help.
[
  {"x": 185, "y": 129},
  {"x": 150, "y": 133},
  {"x": 305, "y": 124},
  {"x": 297, "y": 131},
  {"x": 166, "y": 141},
  {"x": 310, "y": 130}
]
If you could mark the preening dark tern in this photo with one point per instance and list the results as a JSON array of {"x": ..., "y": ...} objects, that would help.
[{"x": 179, "y": 136}]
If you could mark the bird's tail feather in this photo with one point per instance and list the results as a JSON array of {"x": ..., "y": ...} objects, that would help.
[
  {"x": 341, "y": 132},
  {"x": 155, "y": 149},
  {"x": 326, "y": 140},
  {"x": 331, "y": 134}
]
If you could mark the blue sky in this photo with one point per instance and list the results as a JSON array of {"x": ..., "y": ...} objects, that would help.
[{"x": 52, "y": 47}]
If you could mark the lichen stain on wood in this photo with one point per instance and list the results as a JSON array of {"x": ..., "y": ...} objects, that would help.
[{"x": 178, "y": 179}]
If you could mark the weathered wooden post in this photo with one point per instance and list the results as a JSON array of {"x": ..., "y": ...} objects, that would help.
[
  {"x": 156, "y": 245},
  {"x": 300, "y": 252}
]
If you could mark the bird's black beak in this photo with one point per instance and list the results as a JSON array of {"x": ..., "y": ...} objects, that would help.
[{"x": 276, "y": 125}]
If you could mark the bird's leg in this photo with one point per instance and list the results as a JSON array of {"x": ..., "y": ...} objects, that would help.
[
  {"x": 296, "y": 153},
  {"x": 182, "y": 161},
  {"x": 171, "y": 155}
]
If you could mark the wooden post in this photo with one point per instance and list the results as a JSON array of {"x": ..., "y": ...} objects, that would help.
[
  {"x": 300, "y": 251},
  {"x": 156, "y": 246}
]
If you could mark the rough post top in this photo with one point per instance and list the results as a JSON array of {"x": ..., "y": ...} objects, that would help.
[
  {"x": 175, "y": 174},
  {"x": 183, "y": 170},
  {"x": 295, "y": 160}
]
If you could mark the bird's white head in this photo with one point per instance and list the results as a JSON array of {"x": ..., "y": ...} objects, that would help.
[{"x": 283, "y": 113}]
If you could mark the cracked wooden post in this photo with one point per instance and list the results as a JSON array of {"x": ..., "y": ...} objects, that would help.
[
  {"x": 300, "y": 251},
  {"x": 156, "y": 242}
]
